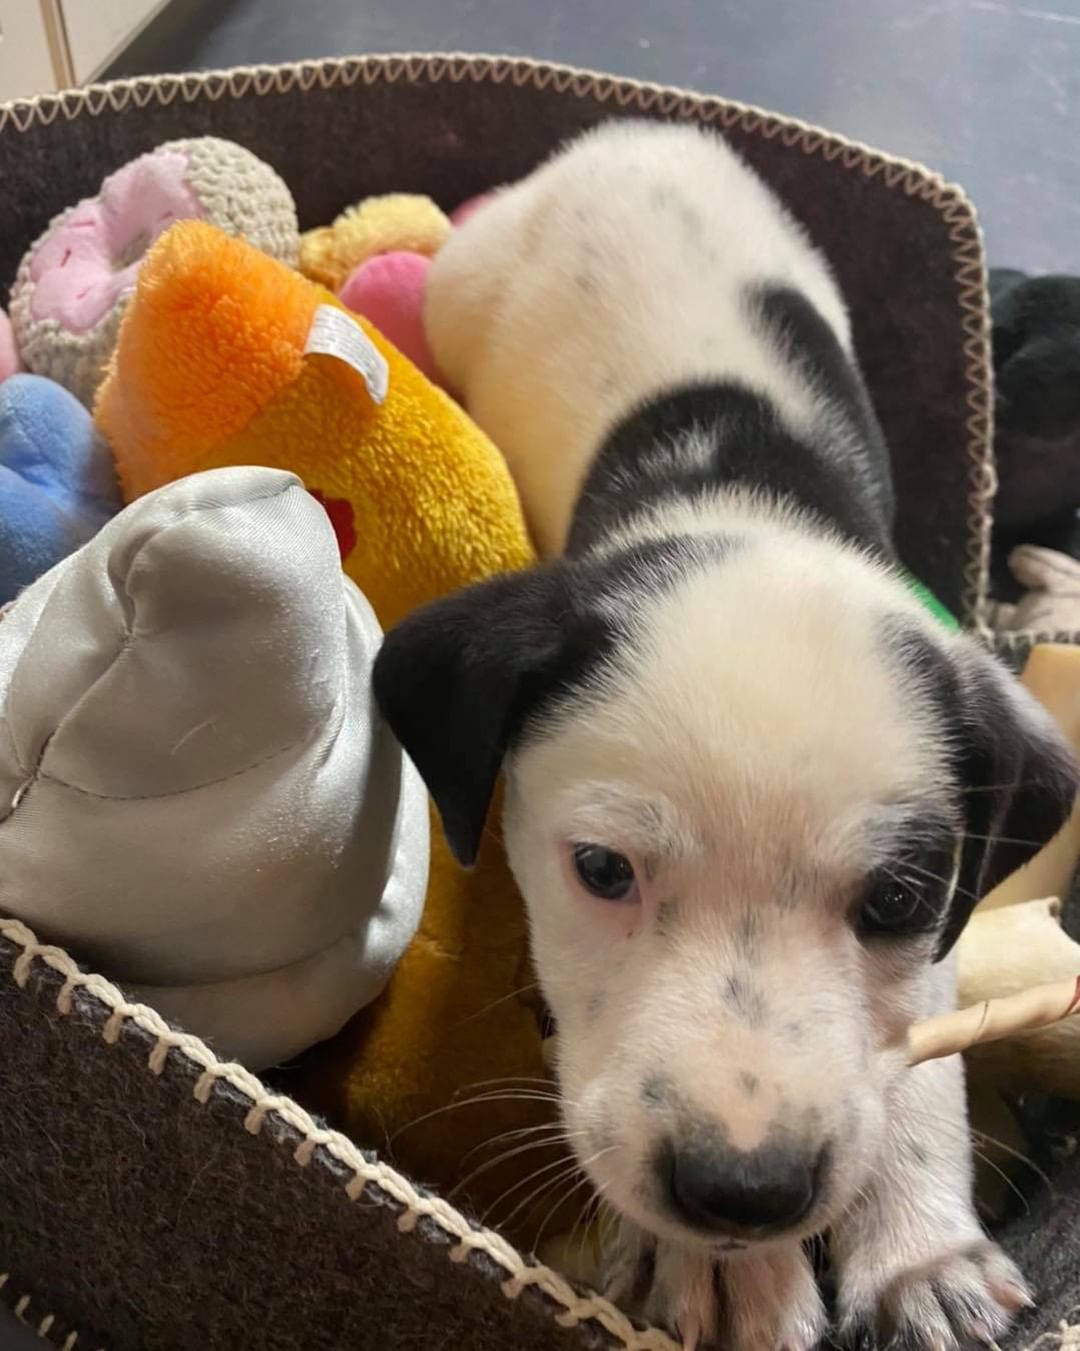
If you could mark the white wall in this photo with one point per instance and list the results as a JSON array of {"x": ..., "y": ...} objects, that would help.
[{"x": 82, "y": 38}]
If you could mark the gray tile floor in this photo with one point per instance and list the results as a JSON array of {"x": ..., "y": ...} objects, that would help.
[{"x": 985, "y": 91}]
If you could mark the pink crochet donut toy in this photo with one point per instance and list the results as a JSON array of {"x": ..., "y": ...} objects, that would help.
[
  {"x": 9, "y": 355},
  {"x": 74, "y": 283}
]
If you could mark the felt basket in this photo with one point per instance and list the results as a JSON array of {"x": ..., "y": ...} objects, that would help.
[{"x": 154, "y": 1197}]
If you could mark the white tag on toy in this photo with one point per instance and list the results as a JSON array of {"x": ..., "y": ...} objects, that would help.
[{"x": 334, "y": 334}]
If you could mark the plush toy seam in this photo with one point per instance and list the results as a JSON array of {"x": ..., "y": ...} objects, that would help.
[
  {"x": 520, "y": 1273},
  {"x": 38, "y": 775}
]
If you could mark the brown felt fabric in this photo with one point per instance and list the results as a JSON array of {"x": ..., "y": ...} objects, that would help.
[
  {"x": 133, "y": 1215},
  {"x": 143, "y": 1219}
]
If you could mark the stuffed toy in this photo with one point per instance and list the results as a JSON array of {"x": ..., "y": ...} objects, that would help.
[
  {"x": 1036, "y": 349},
  {"x": 75, "y": 281},
  {"x": 57, "y": 482},
  {"x": 400, "y": 235},
  {"x": 388, "y": 290},
  {"x": 398, "y": 221},
  {"x": 230, "y": 358},
  {"x": 201, "y": 799},
  {"x": 9, "y": 353},
  {"x": 422, "y": 503},
  {"x": 1051, "y": 603}
]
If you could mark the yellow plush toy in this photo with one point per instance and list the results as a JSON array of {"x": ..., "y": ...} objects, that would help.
[
  {"x": 399, "y": 221},
  {"x": 227, "y": 357}
]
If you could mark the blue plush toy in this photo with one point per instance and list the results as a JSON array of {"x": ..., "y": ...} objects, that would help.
[{"x": 57, "y": 482}]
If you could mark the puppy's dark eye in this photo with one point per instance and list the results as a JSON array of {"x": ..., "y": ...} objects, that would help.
[
  {"x": 889, "y": 906},
  {"x": 605, "y": 873}
]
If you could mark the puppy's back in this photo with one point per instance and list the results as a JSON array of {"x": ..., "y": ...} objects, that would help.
[{"x": 624, "y": 266}]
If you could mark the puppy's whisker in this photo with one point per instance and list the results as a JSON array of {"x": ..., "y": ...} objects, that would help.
[
  {"x": 589, "y": 1212},
  {"x": 1012, "y": 1186},
  {"x": 485, "y": 1099},
  {"x": 523, "y": 1079},
  {"x": 552, "y": 1130},
  {"x": 530, "y": 1147},
  {"x": 495, "y": 1003},
  {"x": 1005, "y": 839},
  {"x": 584, "y": 1180},
  {"x": 970, "y": 1133},
  {"x": 558, "y": 1205},
  {"x": 930, "y": 876},
  {"x": 984, "y": 1138},
  {"x": 559, "y": 1177}
]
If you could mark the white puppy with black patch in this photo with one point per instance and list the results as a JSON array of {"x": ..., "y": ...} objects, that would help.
[{"x": 753, "y": 786}]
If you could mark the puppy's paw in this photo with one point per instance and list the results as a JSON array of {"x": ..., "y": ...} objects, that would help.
[
  {"x": 769, "y": 1301},
  {"x": 760, "y": 1301},
  {"x": 958, "y": 1301}
]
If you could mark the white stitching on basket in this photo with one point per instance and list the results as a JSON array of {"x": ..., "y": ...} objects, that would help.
[
  {"x": 44, "y": 1324},
  {"x": 573, "y": 1308}
]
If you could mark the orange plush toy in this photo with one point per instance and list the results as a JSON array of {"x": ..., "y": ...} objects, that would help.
[{"x": 226, "y": 357}]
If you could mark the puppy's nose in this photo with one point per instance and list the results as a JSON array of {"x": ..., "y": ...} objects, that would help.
[{"x": 769, "y": 1188}]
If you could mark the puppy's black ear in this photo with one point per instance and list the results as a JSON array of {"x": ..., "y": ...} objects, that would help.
[
  {"x": 1018, "y": 778},
  {"x": 458, "y": 679}
]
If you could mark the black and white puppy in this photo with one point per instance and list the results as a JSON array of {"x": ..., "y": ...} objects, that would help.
[{"x": 753, "y": 787}]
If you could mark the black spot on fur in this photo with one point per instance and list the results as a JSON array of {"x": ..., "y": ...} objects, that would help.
[
  {"x": 657, "y": 1091},
  {"x": 749, "y": 1083},
  {"x": 748, "y": 934},
  {"x": 594, "y": 1005},
  {"x": 743, "y": 1000},
  {"x": 665, "y": 914}
]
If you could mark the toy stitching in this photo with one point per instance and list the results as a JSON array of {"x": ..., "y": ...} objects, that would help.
[
  {"x": 896, "y": 172},
  {"x": 43, "y": 1326},
  {"x": 572, "y": 1308}
]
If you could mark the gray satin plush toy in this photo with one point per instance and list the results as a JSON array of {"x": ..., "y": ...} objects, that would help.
[{"x": 197, "y": 795}]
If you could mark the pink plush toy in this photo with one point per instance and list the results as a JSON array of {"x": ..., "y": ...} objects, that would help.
[
  {"x": 388, "y": 290},
  {"x": 9, "y": 353},
  {"x": 75, "y": 281}
]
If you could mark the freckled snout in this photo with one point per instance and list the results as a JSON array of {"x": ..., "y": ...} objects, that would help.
[{"x": 720, "y": 1189}]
